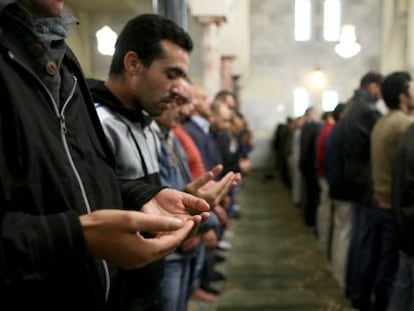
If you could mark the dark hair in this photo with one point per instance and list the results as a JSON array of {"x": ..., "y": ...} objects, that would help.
[
  {"x": 393, "y": 85},
  {"x": 143, "y": 35},
  {"x": 326, "y": 115},
  {"x": 309, "y": 110},
  {"x": 338, "y": 110},
  {"x": 371, "y": 77},
  {"x": 223, "y": 94}
]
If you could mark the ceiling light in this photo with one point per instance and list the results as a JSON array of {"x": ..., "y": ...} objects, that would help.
[
  {"x": 317, "y": 78},
  {"x": 347, "y": 46},
  {"x": 106, "y": 39}
]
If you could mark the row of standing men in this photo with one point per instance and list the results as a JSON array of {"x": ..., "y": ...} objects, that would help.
[{"x": 352, "y": 177}]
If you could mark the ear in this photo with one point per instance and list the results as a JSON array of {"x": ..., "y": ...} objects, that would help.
[
  {"x": 372, "y": 87},
  {"x": 403, "y": 98},
  {"x": 132, "y": 64}
]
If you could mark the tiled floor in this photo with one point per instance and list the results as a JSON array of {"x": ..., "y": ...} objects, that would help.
[{"x": 275, "y": 263}]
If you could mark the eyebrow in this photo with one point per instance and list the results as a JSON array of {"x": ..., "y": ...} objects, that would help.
[
  {"x": 182, "y": 100},
  {"x": 178, "y": 71}
]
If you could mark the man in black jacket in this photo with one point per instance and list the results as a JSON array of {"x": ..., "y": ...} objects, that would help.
[
  {"x": 360, "y": 116},
  {"x": 307, "y": 166},
  {"x": 60, "y": 221}
]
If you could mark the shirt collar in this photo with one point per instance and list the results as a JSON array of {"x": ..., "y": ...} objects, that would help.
[{"x": 201, "y": 122}]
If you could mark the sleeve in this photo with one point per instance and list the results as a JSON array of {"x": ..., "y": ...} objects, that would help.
[
  {"x": 136, "y": 193},
  {"x": 195, "y": 161},
  {"x": 33, "y": 246},
  {"x": 371, "y": 117},
  {"x": 230, "y": 160},
  {"x": 164, "y": 167},
  {"x": 108, "y": 131}
]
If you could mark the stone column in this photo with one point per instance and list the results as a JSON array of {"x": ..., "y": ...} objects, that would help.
[
  {"x": 227, "y": 72},
  {"x": 211, "y": 56}
]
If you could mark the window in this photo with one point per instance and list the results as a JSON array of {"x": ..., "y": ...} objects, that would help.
[
  {"x": 302, "y": 20},
  {"x": 301, "y": 101},
  {"x": 331, "y": 20},
  {"x": 330, "y": 99}
]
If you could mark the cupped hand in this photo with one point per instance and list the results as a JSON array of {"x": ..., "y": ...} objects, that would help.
[
  {"x": 210, "y": 190},
  {"x": 115, "y": 235},
  {"x": 170, "y": 202}
]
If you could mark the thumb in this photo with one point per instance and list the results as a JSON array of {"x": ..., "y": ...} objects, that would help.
[
  {"x": 200, "y": 181},
  {"x": 193, "y": 204},
  {"x": 217, "y": 169},
  {"x": 150, "y": 223}
]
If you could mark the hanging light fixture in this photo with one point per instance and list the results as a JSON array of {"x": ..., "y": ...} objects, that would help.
[
  {"x": 106, "y": 39},
  {"x": 347, "y": 46}
]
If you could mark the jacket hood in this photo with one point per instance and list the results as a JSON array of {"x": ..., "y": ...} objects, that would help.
[
  {"x": 103, "y": 96},
  {"x": 3, "y": 3},
  {"x": 361, "y": 93}
]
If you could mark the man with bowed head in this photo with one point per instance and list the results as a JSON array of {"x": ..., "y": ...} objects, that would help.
[
  {"x": 61, "y": 217},
  {"x": 147, "y": 76}
]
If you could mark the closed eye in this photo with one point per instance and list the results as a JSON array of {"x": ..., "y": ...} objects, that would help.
[{"x": 175, "y": 73}]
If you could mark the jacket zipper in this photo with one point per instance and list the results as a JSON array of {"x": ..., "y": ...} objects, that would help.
[{"x": 63, "y": 131}]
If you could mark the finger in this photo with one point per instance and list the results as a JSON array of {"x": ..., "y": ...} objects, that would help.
[
  {"x": 199, "y": 182},
  {"x": 193, "y": 204},
  {"x": 166, "y": 244},
  {"x": 217, "y": 170},
  {"x": 154, "y": 223},
  {"x": 224, "y": 180},
  {"x": 225, "y": 188},
  {"x": 211, "y": 174},
  {"x": 237, "y": 178},
  {"x": 196, "y": 219},
  {"x": 204, "y": 216},
  {"x": 197, "y": 223}
]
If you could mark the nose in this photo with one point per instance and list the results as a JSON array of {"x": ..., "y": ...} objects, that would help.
[{"x": 177, "y": 86}]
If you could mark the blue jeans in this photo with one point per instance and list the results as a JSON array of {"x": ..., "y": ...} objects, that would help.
[
  {"x": 196, "y": 268},
  {"x": 402, "y": 298},
  {"x": 175, "y": 284},
  {"x": 232, "y": 211}
]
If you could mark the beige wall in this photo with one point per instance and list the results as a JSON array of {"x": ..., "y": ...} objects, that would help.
[{"x": 83, "y": 41}]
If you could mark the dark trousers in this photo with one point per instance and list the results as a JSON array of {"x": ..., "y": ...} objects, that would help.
[
  {"x": 386, "y": 249},
  {"x": 311, "y": 198},
  {"x": 362, "y": 264},
  {"x": 284, "y": 173}
]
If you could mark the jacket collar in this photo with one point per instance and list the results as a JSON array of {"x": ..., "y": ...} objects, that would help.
[
  {"x": 361, "y": 93},
  {"x": 102, "y": 95}
]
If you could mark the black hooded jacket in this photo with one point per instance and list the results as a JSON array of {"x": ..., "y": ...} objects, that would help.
[
  {"x": 361, "y": 115},
  {"x": 55, "y": 165}
]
